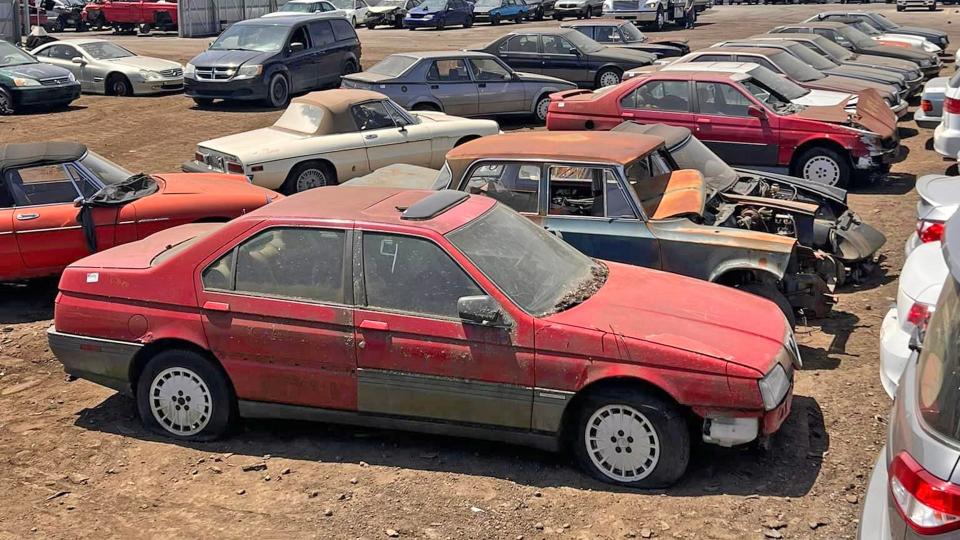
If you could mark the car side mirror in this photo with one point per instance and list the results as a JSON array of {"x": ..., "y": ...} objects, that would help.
[
  {"x": 575, "y": 51},
  {"x": 78, "y": 60},
  {"x": 756, "y": 112},
  {"x": 482, "y": 310},
  {"x": 296, "y": 47},
  {"x": 78, "y": 202}
]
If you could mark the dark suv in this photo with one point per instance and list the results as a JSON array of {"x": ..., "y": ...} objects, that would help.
[{"x": 271, "y": 58}]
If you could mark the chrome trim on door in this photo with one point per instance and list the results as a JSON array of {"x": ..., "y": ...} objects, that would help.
[{"x": 49, "y": 229}]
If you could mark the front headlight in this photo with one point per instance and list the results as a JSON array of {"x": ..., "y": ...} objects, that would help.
[
  {"x": 148, "y": 75},
  {"x": 249, "y": 72},
  {"x": 17, "y": 81},
  {"x": 189, "y": 70},
  {"x": 651, "y": 3},
  {"x": 70, "y": 77},
  {"x": 925, "y": 62},
  {"x": 608, "y": 5},
  {"x": 773, "y": 387}
]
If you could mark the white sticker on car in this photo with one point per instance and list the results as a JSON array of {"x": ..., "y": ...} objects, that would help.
[{"x": 93, "y": 277}]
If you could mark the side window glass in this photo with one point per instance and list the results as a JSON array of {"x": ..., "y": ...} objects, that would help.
[
  {"x": 714, "y": 58},
  {"x": 299, "y": 36},
  {"x": 342, "y": 29},
  {"x": 556, "y": 45},
  {"x": 588, "y": 31},
  {"x": 521, "y": 44},
  {"x": 46, "y": 184},
  {"x": 414, "y": 275},
  {"x": 372, "y": 115},
  {"x": 722, "y": 99},
  {"x": 576, "y": 191},
  {"x": 452, "y": 70},
  {"x": 606, "y": 34},
  {"x": 617, "y": 205},
  {"x": 516, "y": 185},
  {"x": 399, "y": 118},
  {"x": 87, "y": 186},
  {"x": 660, "y": 96},
  {"x": 63, "y": 52},
  {"x": 321, "y": 33},
  {"x": 760, "y": 61},
  {"x": 485, "y": 69},
  {"x": 299, "y": 263}
]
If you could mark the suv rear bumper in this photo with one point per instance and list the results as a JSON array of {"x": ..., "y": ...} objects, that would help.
[{"x": 106, "y": 362}]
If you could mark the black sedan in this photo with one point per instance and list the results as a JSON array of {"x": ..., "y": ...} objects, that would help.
[
  {"x": 566, "y": 54},
  {"x": 625, "y": 34},
  {"x": 25, "y": 82}
]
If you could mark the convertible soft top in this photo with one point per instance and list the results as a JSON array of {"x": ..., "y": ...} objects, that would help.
[
  {"x": 14, "y": 156},
  {"x": 336, "y": 105}
]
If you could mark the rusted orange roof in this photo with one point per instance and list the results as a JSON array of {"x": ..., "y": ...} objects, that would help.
[{"x": 585, "y": 146}]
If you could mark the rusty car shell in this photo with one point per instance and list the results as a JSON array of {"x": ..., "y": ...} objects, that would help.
[
  {"x": 679, "y": 238},
  {"x": 823, "y": 221}
]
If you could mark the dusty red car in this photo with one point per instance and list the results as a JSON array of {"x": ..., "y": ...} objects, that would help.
[
  {"x": 60, "y": 202},
  {"x": 408, "y": 310},
  {"x": 128, "y": 17},
  {"x": 748, "y": 116}
]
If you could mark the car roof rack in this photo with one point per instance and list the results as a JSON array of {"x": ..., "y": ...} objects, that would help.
[{"x": 433, "y": 205}]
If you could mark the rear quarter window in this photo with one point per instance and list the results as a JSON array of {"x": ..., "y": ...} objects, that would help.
[{"x": 342, "y": 30}]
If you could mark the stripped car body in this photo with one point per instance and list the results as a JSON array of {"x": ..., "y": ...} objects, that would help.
[
  {"x": 619, "y": 196},
  {"x": 528, "y": 342},
  {"x": 815, "y": 214}
]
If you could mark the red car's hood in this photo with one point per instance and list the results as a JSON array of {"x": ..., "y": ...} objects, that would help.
[
  {"x": 683, "y": 313},
  {"x": 872, "y": 114}
]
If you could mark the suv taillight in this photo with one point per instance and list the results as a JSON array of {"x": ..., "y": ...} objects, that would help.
[
  {"x": 930, "y": 231},
  {"x": 952, "y": 106},
  {"x": 926, "y": 106},
  {"x": 928, "y": 504}
]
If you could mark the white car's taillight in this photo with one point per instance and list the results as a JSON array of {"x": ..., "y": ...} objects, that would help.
[
  {"x": 918, "y": 316},
  {"x": 928, "y": 504},
  {"x": 930, "y": 231}
]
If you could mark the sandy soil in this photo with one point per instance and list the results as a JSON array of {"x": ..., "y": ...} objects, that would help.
[{"x": 75, "y": 463}]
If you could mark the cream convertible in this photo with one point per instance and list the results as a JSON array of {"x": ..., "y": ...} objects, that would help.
[{"x": 329, "y": 137}]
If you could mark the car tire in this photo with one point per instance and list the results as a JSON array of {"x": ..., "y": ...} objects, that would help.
[
  {"x": 541, "y": 107},
  {"x": 518, "y": 19},
  {"x": 203, "y": 102},
  {"x": 118, "y": 85},
  {"x": 557, "y": 17},
  {"x": 371, "y": 26},
  {"x": 349, "y": 68},
  {"x": 428, "y": 107},
  {"x": 824, "y": 166},
  {"x": 539, "y": 14},
  {"x": 468, "y": 22},
  {"x": 647, "y": 432},
  {"x": 608, "y": 77},
  {"x": 494, "y": 20},
  {"x": 278, "y": 92},
  {"x": 183, "y": 395},
  {"x": 773, "y": 294},
  {"x": 145, "y": 28},
  {"x": 588, "y": 13},
  {"x": 6, "y": 102},
  {"x": 309, "y": 175}
]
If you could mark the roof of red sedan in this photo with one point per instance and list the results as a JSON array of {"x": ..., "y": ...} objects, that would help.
[{"x": 377, "y": 205}]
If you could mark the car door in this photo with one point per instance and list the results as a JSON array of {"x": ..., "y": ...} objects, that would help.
[
  {"x": 390, "y": 138},
  {"x": 11, "y": 266},
  {"x": 46, "y": 222},
  {"x": 564, "y": 61},
  {"x": 515, "y": 184},
  {"x": 416, "y": 357},
  {"x": 62, "y": 55},
  {"x": 723, "y": 123},
  {"x": 590, "y": 207},
  {"x": 324, "y": 52},
  {"x": 498, "y": 92},
  {"x": 664, "y": 101},
  {"x": 522, "y": 53},
  {"x": 451, "y": 84},
  {"x": 301, "y": 64},
  {"x": 360, "y": 11},
  {"x": 277, "y": 312}
]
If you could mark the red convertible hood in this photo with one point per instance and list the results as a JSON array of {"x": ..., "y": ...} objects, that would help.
[
  {"x": 872, "y": 113},
  {"x": 683, "y": 313},
  {"x": 209, "y": 183}
]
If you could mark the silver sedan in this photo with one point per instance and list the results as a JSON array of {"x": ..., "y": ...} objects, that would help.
[{"x": 104, "y": 67}]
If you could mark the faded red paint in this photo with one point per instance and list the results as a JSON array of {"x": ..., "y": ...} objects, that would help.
[{"x": 670, "y": 331}]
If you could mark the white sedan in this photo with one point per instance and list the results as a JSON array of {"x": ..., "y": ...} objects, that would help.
[
  {"x": 355, "y": 10},
  {"x": 946, "y": 137},
  {"x": 326, "y": 138},
  {"x": 308, "y": 7}
]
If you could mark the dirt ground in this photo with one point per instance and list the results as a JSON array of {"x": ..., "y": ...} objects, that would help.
[{"x": 75, "y": 463}]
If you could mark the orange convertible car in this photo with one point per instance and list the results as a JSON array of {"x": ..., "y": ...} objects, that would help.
[{"x": 60, "y": 202}]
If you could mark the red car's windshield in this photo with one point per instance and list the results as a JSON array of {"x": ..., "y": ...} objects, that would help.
[{"x": 538, "y": 271}]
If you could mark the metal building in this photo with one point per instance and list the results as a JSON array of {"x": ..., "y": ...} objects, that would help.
[
  {"x": 10, "y": 17},
  {"x": 209, "y": 17}
]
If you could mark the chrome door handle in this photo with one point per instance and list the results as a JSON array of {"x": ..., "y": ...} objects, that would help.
[
  {"x": 371, "y": 136},
  {"x": 27, "y": 217},
  {"x": 362, "y": 344}
]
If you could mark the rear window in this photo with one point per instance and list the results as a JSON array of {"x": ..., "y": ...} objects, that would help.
[
  {"x": 343, "y": 30},
  {"x": 392, "y": 66},
  {"x": 939, "y": 368}
]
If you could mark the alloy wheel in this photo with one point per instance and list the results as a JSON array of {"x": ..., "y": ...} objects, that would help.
[
  {"x": 311, "y": 178},
  {"x": 609, "y": 78},
  {"x": 181, "y": 401},
  {"x": 823, "y": 170},
  {"x": 622, "y": 443},
  {"x": 542, "y": 107}
]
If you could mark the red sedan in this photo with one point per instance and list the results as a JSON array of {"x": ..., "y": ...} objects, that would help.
[
  {"x": 427, "y": 311},
  {"x": 748, "y": 116},
  {"x": 60, "y": 201}
]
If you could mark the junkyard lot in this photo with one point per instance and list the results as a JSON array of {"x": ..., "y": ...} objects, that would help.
[{"x": 74, "y": 461}]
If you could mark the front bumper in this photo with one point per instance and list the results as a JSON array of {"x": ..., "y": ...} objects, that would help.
[
  {"x": 641, "y": 15},
  {"x": 243, "y": 89},
  {"x": 104, "y": 361},
  {"x": 924, "y": 121},
  {"x": 894, "y": 351},
  {"x": 875, "y": 520},
  {"x": 171, "y": 84},
  {"x": 421, "y": 23},
  {"x": 877, "y": 160},
  {"x": 946, "y": 142},
  {"x": 570, "y": 10},
  {"x": 44, "y": 95},
  {"x": 900, "y": 109},
  {"x": 731, "y": 429}
]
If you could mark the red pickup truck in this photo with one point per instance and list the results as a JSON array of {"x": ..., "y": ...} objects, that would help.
[{"x": 127, "y": 17}]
